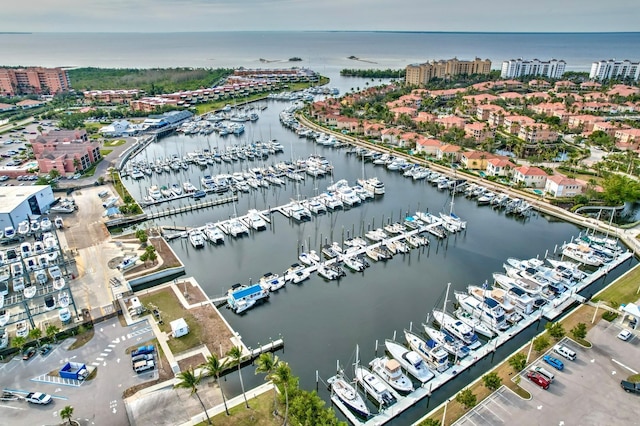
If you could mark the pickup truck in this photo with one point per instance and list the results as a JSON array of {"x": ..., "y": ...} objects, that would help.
[
  {"x": 630, "y": 386},
  {"x": 38, "y": 398},
  {"x": 143, "y": 350}
]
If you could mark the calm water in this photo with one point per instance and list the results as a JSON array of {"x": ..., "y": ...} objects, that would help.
[
  {"x": 326, "y": 52},
  {"x": 323, "y": 321}
]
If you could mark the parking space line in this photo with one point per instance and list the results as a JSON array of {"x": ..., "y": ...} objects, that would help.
[
  {"x": 13, "y": 408},
  {"x": 96, "y": 364},
  {"x": 624, "y": 366}
]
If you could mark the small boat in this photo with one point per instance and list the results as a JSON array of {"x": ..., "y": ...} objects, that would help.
[
  {"x": 4, "y": 338},
  {"x": 272, "y": 282},
  {"x": 389, "y": 370},
  {"x": 296, "y": 273},
  {"x": 410, "y": 360},
  {"x": 23, "y": 228},
  {"x": 65, "y": 315},
  {"x": 25, "y": 250},
  {"x": 29, "y": 290},
  {"x": 196, "y": 238},
  {"x": 255, "y": 220},
  {"x": 45, "y": 224},
  {"x": 331, "y": 250},
  {"x": 38, "y": 247},
  {"x": 5, "y": 315},
  {"x": 354, "y": 263},
  {"x": 127, "y": 262},
  {"x": 58, "y": 283},
  {"x": 331, "y": 272},
  {"x": 310, "y": 258},
  {"x": 347, "y": 394},
  {"x": 22, "y": 329},
  {"x": 54, "y": 272},
  {"x": 41, "y": 277},
  {"x": 49, "y": 302},
  {"x": 18, "y": 284},
  {"x": 16, "y": 269},
  {"x": 374, "y": 386},
  {"x": 63, "y": 299},
  {"x": 58, "y": 222}
]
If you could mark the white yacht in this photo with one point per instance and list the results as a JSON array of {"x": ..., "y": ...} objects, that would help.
[
  {"x": 457, "y": 328},
  {"x": 310, "y": 258},
  {"x": 299, "y": 212},
  {"x": 16, "y": 269},
  {"x": 213, "y": 234},
  {"x": 478, "y": 326},
  {"x": 272, "y": 282},
  {"x": 54, "y": 272},
  {"x": 410, "y": 361},
  {"x": 237, "y": 228},
  {"x": 354, "y": 263},
  {"x": 18, "y": 284},
  {"x": 332, "y": 272},
  {"x": 188, "y": 187},
  {"x": 331, "y": 200},
  {"x": 488, "y": 310},
  {"x": 22, "y": 329},
  {"x": 374, "y": 386},
  {"x": 390, "y": 371},
  {"x": 196, "y": 238},
  {"x": 582, "y": 254},
  {"x": 45, "y": 224},
  {"x": 25, "y": 250},
  {"x": 432, "y": 352},
  {"x": 63, "y": 299},
  {"x": 455, "y": 347},
  {"x": 568, "y": 270},
  {"x": 41, "y": 277},
  {"x": 315, "y": 206},
  {"x": 255, "y": 220},
  {"x": 348, "y": 395},
  {"x": 154, "y": 192},
  {"x": 29, "y": 290},
  {"x": 243, "y": 298},
  {"x": 373, "y": 185},
  {"x": 65, "y": 315},
  {"x": 5, "y": 315},
  {"x": 296, "y": 273}
]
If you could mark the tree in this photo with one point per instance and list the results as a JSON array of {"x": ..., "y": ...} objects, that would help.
[
  {"x": 492, "y": 381},
  {"x": 51, "y": 331},
  {"x": 555, "y": 330},
  {"x": 189, "y": 380},
  {"x": 467, "y": 398},
  {"x": 282, "y": 377},
  {"x": 518, "y": 361},
  {"x": 66, "y": 413},
  {"x": 149, "y": 254},
  {"x": 35, "y": 334},
  {"x": 19, "y": 342},
  {"x": 235, "y": 353},
  {"x": 141, "y": 234},
  {"x": 267, "y": 362},
  {"x": 618, "y": 189},
  {"x": 214, "y": 368},
  {"x": 540, "y": 343},
  {"x": 579, "y": 331},
  {"x": 430, "y": 422}
]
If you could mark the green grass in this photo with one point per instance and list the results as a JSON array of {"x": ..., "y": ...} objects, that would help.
[
  {"x": 260, "y": 413},
  {"x": 116, "y": 142},
  {"x": 105, "y": 152},
  {"x": 623, "y": 290},
  {"x": 171, "y": 309}
]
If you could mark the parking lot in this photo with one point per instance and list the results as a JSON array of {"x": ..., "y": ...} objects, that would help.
[
  {"x": 586, "y": 392},
  {"x": 98, "y": 400}
]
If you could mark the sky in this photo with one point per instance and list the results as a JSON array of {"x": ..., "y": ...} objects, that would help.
[{"x": 318, "y": 15}]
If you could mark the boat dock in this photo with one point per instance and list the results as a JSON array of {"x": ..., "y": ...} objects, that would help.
[
  {"x": 191, "y": 207},
  {"x": 550, "y": 312}
]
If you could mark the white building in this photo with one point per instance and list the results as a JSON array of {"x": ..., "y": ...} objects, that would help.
[
  {"x": 562, "y": 186},
  {"x": 17, "y": 203},
  {"x": 604, "y": 70},
  {"x": 179, "y": 328},
  {"x": 116, "y": 129},
  {"x": 520, "y": 67}
]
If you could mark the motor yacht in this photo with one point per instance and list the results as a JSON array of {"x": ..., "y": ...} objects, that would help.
[
  {"x": 488, "y": 310},
  {"x": 196, "y": 238},
  {"x": 213, "y": 234},
  {"x": 455, "y": 347},
  {"x": 478, "y": 326},
  {"x": 390, "y": 372},
  {"x": 23, "y": 229},
  {"x": 22, "y": 329},
  {"x": 433, "y": 353},
  {"x": 374, "y": 387},
  {"x": 243, "y": 298},
  {"x": 457, "y": 329},
  {"x": 45, "y": 224},
  {"x": 272, "y": 282},
  {"x": 410, "y": 361}
]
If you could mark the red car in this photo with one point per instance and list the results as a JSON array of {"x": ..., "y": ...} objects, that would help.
[{"x": 538, "y": 379}]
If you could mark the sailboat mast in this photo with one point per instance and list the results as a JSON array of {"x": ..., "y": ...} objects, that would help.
[{"x": 446, "y": 299}]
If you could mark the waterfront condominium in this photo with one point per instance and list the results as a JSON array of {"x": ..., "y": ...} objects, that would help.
[
  {"x": 520, "y": 67},
  {"x": 417, "y": 74},
  {"x": 605, "y": 70},
  {"x": 20, "y": 81}
]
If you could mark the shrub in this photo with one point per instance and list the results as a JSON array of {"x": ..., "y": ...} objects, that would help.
[
  {"x": 492, "y": 381},
  {"x": 467, "y": 398},
  {"x": 540, "y": 343},
  {"x": 555, "y": 330},
  {"x": 579, "y": 331},
  {"x": 609, "y": 316},
  {"x": 518, "y": 361}
]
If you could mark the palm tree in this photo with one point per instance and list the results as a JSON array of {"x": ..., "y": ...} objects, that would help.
[
  {"x": 189, "y": 380},
  {"x": 214, "y": 367},
  {"x": 282, "y": 376},
  {"x": 267, "y": 362},
  {"x": 18, "y": 342},
  {"x": 235, "y": 353},
  {"x": 52, "y": 331},
  {"x": 36, "y": 334},
  {"x": 66, "y": 413}
]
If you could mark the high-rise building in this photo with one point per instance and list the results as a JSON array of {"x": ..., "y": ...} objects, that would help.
[
  {"x": 417, "y": 74},
  {"x": 19, "y": 81},
  {"x": 605, "y": 70},
  {"x": 521, "y": 67}
]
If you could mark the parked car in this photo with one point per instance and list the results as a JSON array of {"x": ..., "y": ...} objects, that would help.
[
  {"x": 630, "y": 386},
  {"x": 538, "y": 379},
  {"x": 546, "y": 373},
  {"x": 554, "y": 362},
  {"x": 38, "y": 398},
  {"x": 45, "y": 349},
  {"x": 624, "y": 335},
  {"x": 565, "y": 352},
  {"x": 142, "y": 366},
  {"x": 28, "y": 353},
  {"x": 143, "y": 357},
  {"x": 143, "y": 350}
]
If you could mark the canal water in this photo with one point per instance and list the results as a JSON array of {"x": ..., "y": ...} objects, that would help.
[{"x": 322, "y": 322}]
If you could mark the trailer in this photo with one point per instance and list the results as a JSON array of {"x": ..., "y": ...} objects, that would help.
[{"x": 74, "y": 371}]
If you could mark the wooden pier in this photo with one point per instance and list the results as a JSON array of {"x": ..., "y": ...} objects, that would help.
[{"x": 191, "y": 207}]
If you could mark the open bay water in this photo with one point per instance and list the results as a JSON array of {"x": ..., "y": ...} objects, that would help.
[{"x": 322, "y": 322}]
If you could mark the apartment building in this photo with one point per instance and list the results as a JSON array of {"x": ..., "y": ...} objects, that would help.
[
  {"x": 66, "y": 151},
  {"x": 520, "y": 67},
  {"x": 417, "y": 74},
  {"x": 608, "y": 69},
  {"x": 20, "y": 81},
  {"x": 537, "y": 132}
]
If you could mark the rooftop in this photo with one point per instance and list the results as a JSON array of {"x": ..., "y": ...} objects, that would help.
[{"x": 12, "y": 196}]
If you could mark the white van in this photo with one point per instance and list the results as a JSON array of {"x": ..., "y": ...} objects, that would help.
[
  {"x": 142, "y": 366},
  {"x": 546, "y": 373},
  {"x": 565, "y": 352},
  {"x": 103, "y": 194}
]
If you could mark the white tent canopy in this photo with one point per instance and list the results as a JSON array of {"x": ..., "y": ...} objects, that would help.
[{"x": 632, "y": 309}]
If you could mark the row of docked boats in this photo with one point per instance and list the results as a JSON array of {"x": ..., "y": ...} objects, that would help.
[
  {"x": 33, "y": 226},
  {"x": 481, "y": 312}
]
